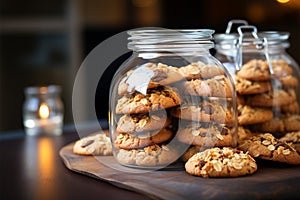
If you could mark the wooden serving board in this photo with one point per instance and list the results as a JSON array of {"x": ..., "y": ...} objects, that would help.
[{"x": 271, "y": 181}]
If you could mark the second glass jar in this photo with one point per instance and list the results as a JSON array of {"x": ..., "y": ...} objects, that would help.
[{"x": 169, "y": 96}]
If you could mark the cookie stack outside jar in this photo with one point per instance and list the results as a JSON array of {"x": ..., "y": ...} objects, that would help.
[
  {"x": 169, "y": 96},
  {"x": 267, "y": 82}
]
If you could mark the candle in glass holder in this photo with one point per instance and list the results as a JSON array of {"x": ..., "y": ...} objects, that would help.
[{"x": 43, "y": 111}]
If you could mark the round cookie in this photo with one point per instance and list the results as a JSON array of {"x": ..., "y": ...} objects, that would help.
[
  {"x": 198, "y": 70},
  {"x": 98, "y": 144},
  {"x": 267, "y": 147},
  {"x": 253, "y": 115},
  {"x": 281, "y": 68},
  {"x": 292, "y": 138},
  {"x": 271, "y": 98},
  {"x": 205, "y": 135},
  {"x": 206, "y": 111},
  {"x": 243, "y": 133},
  {"x": 149, "y": 75},
  {"x": 142, "y": 122},
  {"x": 128, "y": 141},
  {"x": 150, "y": 156},
  {"x": 256, "y": 70},
  {"x": 221, "y": 162},
  {"x": 155, "y": 99},
  {"x": 275, "y": 126},
  {"x": 292, "y": 108},
  {"x": 218, "y": 86},
  {"x": 291, "y": 123},
  {"x": 246, "y": 87},
  {"x": 288, "y": 81}
]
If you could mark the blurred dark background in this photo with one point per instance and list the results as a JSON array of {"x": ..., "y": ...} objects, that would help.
[{"x": 44, "y": 42}]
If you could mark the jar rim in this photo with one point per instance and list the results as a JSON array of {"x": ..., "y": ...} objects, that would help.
[{"x": 43, "y": 89}]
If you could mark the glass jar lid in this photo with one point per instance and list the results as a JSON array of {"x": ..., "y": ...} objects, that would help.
[
  {"x": 157, "y": 39},
  {"x": 51, "y": 89}
]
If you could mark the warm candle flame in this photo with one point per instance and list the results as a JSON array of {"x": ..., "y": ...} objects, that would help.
[{"x": 44, "y": 111}]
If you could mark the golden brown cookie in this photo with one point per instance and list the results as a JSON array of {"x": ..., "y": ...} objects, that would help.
[
  {"x": 292, "y": 138},
  {"x": 272, "y": 98},
  {"x": 243, "y": 133},
  {"x": 208, "y": 135},
  {"x": 129, "y": 141},
  {"x": 258, "y": 70},
  {"x": 246, "y": 87},
  {"x": 198, "y": 70},
  {"x": 147, "y": 76},
  {"x": 267, "y": 147},
  {"x": 205, "y": 111},
  {"x": 272, "y": 126},
  {"x": 221, "y": 162},
  {"x": 218, "y": 86},
  {"x": 150, "y": 156},
  {"x": 143, "y": 122},
  {"x": 98, "y": 144},
  {"x": 291, "y": 123},
  {"x": 292, "y": 108},
  {"x": 253, "y": 115},
  {"x": 155, "y": 99}
]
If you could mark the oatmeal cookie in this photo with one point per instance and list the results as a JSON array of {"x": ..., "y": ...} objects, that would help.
[
  {"x": 291, "y": 122},
  {"x": 192, "y": 150},
  {"x": 98, "y": 144},
  {"x": 143, "y": 122},
  {"x": 218, "y": 86},
  {"x": 155, "y": 99},
  {"x": 208, "y": 135},
  {"x": 266, "y": 146},
  {"x": 292, "y": 138},
  {"x": 150, "y": 156},
  {"x": 258, "y": 70},
  {"x": 198, "y": 70},
  {"x": 129, "y": 141},
  {"x": 253, "y": 115},
  {"x": 147, "y": 76},
  {"x": 292, "y": 108},
  {"x": 245, "y": 87},
  {"x": 221, "y": 162},
  {"x": 275, "y": 126},
  {"x": 272, "y": 98},
  {"x": 205, "y": 111}
]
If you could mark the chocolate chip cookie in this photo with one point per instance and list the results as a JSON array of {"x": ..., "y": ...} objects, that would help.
[
  {"x": 155, "y": 99},
  {"x": 221, "y": 162},
  {"x": 129, "y": 141},
  {"x": 267, "y": 147},
  {"x": 198, "y": 70},
  {"x": 253, "y": 115}
]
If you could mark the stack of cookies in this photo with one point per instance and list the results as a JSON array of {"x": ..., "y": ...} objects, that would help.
[
  {"x": 268, "y": 109},
  {"x": 267, "y": 103},
  {"x": 156, "y": 102}
]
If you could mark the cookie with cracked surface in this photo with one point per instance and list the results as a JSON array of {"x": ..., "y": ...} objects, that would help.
[
  {"x": 208, "y": 135},
  {"x": 221, "y": 162},
  {"x": 246, "y": 87},
  {"x": 205, "y": 111},
  {"x": 218, "y": 86},
  {"x": 129, "y": 141},
  {"x": 150, "y": 156},
  {"x": 135, "y": 123},
  {"x": 155, "y": 99},
  {"x": 147, "y": 76},
  {"x": 266, "y": 146},
  {"x": 272, "y": 98},
  {"x": 98, "y": 144},
  {"x": 253, "y": 115},
  {"x": 258, "y": 70},
  {"x": 198, "y": 70},
  {"x": 292, "y": 138}
]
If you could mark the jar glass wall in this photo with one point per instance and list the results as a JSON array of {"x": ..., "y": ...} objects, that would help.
[{"x": 171, "y": 95}]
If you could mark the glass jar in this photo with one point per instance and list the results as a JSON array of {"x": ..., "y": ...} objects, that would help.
[
  {"x": 43, "y": 110},
  {"x": 170, "y": 95},
  {"x": 266, "y": 79}
]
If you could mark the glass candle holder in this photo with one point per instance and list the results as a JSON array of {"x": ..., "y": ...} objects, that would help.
[{"x": 43, "y": 110}]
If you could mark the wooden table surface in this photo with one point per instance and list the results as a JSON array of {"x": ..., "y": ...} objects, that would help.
[{"x": 31, "y": 168}]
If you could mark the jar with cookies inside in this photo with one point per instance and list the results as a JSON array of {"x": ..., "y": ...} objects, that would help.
[
  {"x": 169, "y": 97},
  {"x": 267, "y": 85}
]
